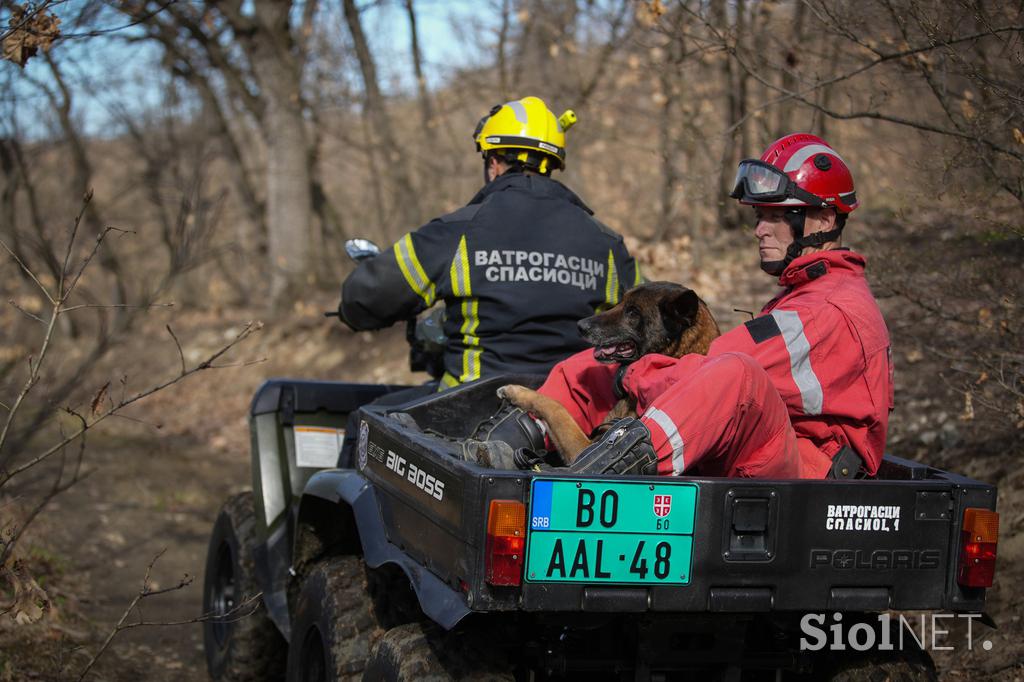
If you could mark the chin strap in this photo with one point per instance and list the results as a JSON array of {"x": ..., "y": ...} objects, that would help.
[{"x": 796, "y": 217}]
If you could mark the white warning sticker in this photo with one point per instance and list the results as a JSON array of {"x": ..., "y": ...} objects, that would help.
[{"x": 317, "y": 447}]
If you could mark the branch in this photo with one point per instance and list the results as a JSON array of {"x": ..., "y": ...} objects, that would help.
[
  {"x": 249, "y": 329},
  {"x": 92, "y": 254},
  {"x": 243, "y": 609},
  {"x": 28, "y": 271},
  {"x": 25, "y": 312}
]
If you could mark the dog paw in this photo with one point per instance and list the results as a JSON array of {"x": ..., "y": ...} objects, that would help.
[{"x": 511, "y": 393}]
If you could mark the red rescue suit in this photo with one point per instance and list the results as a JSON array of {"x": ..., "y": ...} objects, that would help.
[{"x": 775, "y": 397}]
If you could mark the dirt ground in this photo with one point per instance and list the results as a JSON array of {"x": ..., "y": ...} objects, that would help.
[{"x": 160, "y": 477}]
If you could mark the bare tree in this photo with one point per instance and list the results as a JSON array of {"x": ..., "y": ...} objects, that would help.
[
  {"x": 406, "y": 200},
  {"x": 265, "y": 76}
]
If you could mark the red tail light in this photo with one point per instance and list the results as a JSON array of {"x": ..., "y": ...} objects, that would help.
[
  {"x": 506, "y": 542},
  {"x": 978, "y": 547}
]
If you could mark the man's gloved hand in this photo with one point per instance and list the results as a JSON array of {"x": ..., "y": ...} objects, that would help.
[{"x": 625, "y": 449}]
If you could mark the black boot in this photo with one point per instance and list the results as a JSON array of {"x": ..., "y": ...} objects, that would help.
[
  {"x": 513, "y": 426},
  {"x": 496, "y": 440},
  {"x": 625, "y": 449}
]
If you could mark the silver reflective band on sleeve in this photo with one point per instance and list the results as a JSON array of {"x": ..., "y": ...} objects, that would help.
[
  {"x": 672, "y": 433},
  {"x": 800, "y": 359}
]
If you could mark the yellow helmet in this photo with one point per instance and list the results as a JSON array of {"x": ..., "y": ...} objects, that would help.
[{"x": 526, "y": 125}]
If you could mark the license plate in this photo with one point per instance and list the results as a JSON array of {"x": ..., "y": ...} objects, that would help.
[{"x": 610, "y": 532}]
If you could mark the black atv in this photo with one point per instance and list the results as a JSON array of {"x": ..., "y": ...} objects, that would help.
[{"x": 372, "y": 546}]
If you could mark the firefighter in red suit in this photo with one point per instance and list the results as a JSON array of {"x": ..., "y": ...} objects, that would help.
[{"x": 781, "y": 395}]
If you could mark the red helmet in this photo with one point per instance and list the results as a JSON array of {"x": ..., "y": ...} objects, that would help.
[{"x": 797, "y": 170}]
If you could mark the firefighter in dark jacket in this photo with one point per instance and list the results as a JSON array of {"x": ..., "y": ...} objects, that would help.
[{"x": 517, "y": 267}]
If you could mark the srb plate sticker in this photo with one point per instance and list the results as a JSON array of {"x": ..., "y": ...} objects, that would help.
[{"x": 625, "y": 532}]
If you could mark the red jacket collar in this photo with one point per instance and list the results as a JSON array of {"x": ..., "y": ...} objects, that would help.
[{"x": 814, "y": 265}]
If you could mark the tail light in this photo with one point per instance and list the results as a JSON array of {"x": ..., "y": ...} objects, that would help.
[
  {"x": 978, "y": 547},
  {"x": 506, "y": 540}
]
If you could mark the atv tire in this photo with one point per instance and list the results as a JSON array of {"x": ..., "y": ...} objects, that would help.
[
  {"x": 335, "y": 623},
  {"x": 418, "y": 651},
  {"x": 245, "y": 644}
]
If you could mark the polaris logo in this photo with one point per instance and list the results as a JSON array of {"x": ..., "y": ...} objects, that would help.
[{"x": 877, "y": 559}]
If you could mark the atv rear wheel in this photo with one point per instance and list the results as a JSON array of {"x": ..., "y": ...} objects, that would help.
[
  {"x": 335, "y": 623},
  {"x": 244, "y": 644},
  {"x": 419, "y": 651}
]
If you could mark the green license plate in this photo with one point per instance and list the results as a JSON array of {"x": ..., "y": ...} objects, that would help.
[{"x": 601, "y": 532}]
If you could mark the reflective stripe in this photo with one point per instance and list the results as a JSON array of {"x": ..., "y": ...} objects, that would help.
[
  {"x": 611, "y": 287},
  {"x": 410, "y": 266},
  {"x": 471, "y": 355},
  {"x": 462, "y": 287},
  {"x": 807, "y": 152},
  {"x": 460, "y": 270},
  {"x": 672, "y": 434},
  {"x": 447, "y": 381},
  {"x": 520, "y": 111},
  {"x": 800, "y": 359},
  {"x": 638, "y": 280}
]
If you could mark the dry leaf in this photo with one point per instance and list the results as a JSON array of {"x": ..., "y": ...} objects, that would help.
[
  {"x": 29, "y": 30},
  {"x": 968, "y": 413},
  {"x": 1018, "y": 135},
  {"x": 985, "y": 318},
  {"x": 30, "y": 600},
  {"x": 97, "y": 401},
  {"x": 648, "y": 13}
]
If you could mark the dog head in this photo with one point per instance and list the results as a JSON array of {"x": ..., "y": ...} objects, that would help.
[{"x": 651, "y": 318}]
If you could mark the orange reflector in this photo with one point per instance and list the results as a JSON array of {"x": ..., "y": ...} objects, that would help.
[
  {"x": 982, "y": 524},
  {"x": 506, "y": 540},
  {"x": 507, "y": 518}
]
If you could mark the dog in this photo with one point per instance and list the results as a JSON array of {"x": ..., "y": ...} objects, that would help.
[{"x": 654, "y": 317}]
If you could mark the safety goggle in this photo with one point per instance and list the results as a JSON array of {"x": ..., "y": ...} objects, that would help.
[{"x": 760, "y": 182}]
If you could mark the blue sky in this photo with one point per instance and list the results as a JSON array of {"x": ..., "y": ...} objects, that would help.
[{"x": 92, "y": 64}]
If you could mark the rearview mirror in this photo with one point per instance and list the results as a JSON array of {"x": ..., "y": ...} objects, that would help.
[{"x": 361, "y": 249}]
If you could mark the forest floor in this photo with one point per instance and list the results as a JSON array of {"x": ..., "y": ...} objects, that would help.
[{"x": 160, "y": 477}]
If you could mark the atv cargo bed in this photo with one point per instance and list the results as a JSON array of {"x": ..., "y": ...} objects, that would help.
[{"x": 657, "y": 544}]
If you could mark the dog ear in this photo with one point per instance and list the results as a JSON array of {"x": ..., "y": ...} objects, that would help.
[{"x": 679, "y": 311}]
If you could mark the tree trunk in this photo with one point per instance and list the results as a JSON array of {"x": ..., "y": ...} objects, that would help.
[
  {"x": 289, "y": 199},
  {"x": 728, "y": 217},
  {"x": 426, "y": 111},
  {"x": 790, "y": 75},
  {"x": 404, "y": 194}
]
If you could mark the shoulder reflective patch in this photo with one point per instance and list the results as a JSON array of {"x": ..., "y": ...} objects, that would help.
[
  {"x": 763, "y": 328},
  {"x": 800, "y": 360}
]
